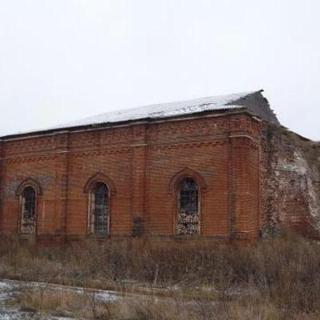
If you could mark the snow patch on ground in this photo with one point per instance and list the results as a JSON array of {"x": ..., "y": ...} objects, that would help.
[{"x": 9, "y": 288}]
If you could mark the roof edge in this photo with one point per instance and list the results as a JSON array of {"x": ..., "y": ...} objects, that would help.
[{"x": 106, "y": 125}]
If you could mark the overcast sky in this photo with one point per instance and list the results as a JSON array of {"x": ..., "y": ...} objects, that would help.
[{"x": 62, "y": 60}]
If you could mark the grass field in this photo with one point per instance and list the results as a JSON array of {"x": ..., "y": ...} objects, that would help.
[{"x": 274, "y": 279}]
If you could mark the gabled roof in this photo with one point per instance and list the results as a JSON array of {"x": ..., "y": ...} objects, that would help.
[
  {"x": 166, "y": 110},
  {"x": 254, "y": 102}
]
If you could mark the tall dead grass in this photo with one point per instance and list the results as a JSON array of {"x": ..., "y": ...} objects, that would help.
[{"x": 279, "y": 276}]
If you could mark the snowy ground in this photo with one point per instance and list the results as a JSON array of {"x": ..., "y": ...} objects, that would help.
[{"x": 9, "y": 289}]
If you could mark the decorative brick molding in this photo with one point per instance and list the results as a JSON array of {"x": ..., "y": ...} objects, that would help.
[
  {"x": 100, "y": 177},
  {"x": 12, "y": 160},
  {"x": 29, "y": 182},
  {"x": 187, "y": 173}
]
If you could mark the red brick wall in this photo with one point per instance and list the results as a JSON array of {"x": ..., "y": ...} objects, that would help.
[{"x": 141, "y": 161}]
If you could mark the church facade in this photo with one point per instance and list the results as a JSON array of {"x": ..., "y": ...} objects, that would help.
[{"x": 181, "y": 170}]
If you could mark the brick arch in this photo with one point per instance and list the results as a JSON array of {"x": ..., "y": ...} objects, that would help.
[
  {"x": 187, "y": 173},
  {"x": 29, "y": 182},
  {"x": 100, "y": 177}
]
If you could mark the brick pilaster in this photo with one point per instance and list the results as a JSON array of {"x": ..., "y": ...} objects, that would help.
[
  {"x": 244, "y": 191},
  {"x": 61, "y": 185},
  {"x": 231, "y": 191},
  {"x": 138, "y": 178}
]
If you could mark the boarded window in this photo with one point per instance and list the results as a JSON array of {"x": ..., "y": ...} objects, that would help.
[
  {"x": 28, "y": 216},
  {"x": 100, "y": 210},
  {"x": 188, "y": 208}
]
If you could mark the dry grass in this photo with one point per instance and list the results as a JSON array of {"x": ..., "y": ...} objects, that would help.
[
  {"x": 81, "y": 306},
  {"x": 276, "y": 279},
  {"x": 61, "y": 303}
]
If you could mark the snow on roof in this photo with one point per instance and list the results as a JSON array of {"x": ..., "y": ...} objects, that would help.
[
  {"x": 165, "y": 110},
  {"x": 156, "y": 111}
]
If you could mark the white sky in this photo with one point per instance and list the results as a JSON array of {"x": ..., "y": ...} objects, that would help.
[{"x": 62, "y": 60}]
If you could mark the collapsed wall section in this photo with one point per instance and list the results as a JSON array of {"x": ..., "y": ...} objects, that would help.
[{"x": 291, "y": 184}]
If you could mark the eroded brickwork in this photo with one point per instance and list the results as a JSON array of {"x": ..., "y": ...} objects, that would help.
[
  {"x": 142, "y": 165},
  {"x": 291, "y": 187}
]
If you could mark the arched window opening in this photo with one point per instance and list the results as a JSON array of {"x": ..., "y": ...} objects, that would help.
[
  {"x": 188, "y": 208},
  {"x": 28, "y": 215},
  {"x": 99, "y": 217}
]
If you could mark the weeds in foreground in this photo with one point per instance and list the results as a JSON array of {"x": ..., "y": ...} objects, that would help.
[
  {"x": 275, "y": 279},
  {"x": 81, "y": 306}
]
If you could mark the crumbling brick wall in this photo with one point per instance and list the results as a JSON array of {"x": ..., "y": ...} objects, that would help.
[{"x": 291, "y": 184}]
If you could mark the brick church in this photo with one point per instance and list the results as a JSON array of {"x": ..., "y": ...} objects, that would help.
[{"x": 211, "y": 167}]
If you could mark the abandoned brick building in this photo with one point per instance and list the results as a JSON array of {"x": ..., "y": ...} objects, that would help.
[{"x": 219, "y": 167}]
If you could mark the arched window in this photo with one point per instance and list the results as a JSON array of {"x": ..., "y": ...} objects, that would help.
[
  {"x": 99, "y": 213},
  {"x": 28, "y": 210},
  {"x": 188, "y": 208}
]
